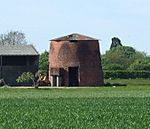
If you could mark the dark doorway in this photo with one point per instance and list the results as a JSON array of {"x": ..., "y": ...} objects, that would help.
[{"x": 73, "y": 76}]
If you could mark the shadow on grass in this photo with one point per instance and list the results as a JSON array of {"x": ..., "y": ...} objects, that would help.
[{"x": 114, "y": 84}]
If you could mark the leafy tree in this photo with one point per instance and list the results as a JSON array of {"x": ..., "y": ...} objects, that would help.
[
  {"x": 43, "y": 63},
  {"x": 13, "y": 38},
  {"x": 121, "y": 57},
  {"x": 27, "y": 77},
  {"x": 114, "y": 67},
  {"x": 141, "y": 64}
]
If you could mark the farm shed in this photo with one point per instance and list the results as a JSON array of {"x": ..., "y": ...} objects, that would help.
[
  {"x": 16, "y": 59},
  {"x": 74, "y": 60}
]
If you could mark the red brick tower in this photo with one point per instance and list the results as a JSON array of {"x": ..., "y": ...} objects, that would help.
[{"x": 74, "y": 60}]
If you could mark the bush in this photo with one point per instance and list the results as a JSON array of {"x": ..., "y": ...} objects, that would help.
[
  {"x": 140, "y": 65},
  {"x": 113, "y": 67},
  {"x": 26, "y": 77},
  {"x": 126, "y": 74}
]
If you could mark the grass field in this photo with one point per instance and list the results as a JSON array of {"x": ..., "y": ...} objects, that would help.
[
  {"x": 82, "y": 108},
  {"x": 134, "y": 82}
]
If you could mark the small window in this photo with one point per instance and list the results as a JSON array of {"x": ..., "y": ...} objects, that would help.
[{"x": 74, "y": 41}]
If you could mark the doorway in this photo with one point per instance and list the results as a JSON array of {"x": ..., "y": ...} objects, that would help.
[{"x": 73, "y": 76}]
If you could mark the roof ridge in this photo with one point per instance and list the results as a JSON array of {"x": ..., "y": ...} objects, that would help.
[
  {"x": 73, "y": 36},
  {"x": 34, "y": 48}
]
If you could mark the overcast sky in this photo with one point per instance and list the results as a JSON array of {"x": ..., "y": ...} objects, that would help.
[{"x": 42, "y": 20}]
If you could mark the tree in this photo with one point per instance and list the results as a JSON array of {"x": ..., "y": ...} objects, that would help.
[
  {"x": 13, "y": 38},
  {"x": 120, "y": 58},
  {"x": 27, "y": 77},
  {"x": 114, "y": 67},
  {"x": 43, "y": 63},
  {"x": 141, "y": 64}
]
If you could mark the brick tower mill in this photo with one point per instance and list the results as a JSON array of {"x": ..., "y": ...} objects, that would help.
[{"x": 74, "y": 60}]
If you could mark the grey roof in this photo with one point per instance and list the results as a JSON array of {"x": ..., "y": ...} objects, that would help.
[
  {"x": 74, "y": 36},
  {"x": 18, "y": 50}
]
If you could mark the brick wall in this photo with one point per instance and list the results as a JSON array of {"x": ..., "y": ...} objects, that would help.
[{"x": 84, "y": 54}]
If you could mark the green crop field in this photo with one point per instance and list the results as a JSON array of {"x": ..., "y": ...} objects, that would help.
[{"x": 76, "y": 108}]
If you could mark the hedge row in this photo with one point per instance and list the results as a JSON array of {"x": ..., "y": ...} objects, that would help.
[{"x": 126, "y": 74}]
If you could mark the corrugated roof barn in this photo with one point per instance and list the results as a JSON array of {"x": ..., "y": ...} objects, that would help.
[{"x": 16, "y": 59}]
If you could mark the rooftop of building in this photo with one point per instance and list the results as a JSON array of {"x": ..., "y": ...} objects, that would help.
[
  {"x": 18, "y": 50},
  {"x": 73, "y": 37}
]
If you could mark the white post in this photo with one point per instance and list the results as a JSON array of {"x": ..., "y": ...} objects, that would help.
[{"x": 57, "y": 83}]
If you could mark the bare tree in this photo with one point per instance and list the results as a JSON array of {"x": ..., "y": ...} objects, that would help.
[{"x": 13, "y": 38}]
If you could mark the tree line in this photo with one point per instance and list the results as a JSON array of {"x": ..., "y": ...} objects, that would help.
[{"x": 125, "y": 62}]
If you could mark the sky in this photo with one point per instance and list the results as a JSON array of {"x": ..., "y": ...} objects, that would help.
[{"x": 42, "y": 20}]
